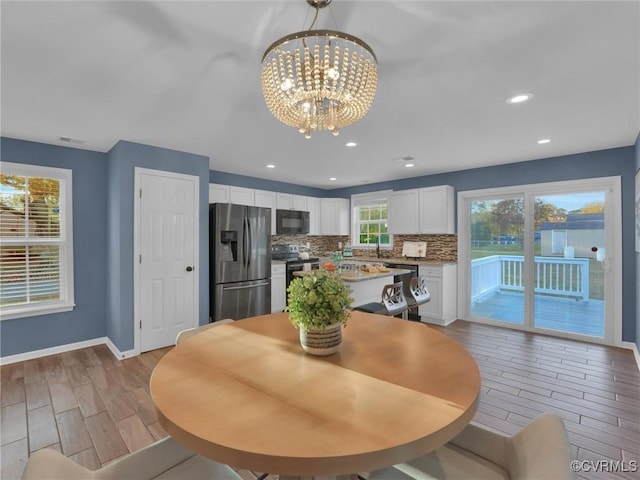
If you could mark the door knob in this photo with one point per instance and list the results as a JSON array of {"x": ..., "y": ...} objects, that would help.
[{"x": 189, "y": 269}]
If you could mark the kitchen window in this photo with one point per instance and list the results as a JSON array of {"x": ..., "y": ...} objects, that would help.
[
  {"x": 36, "y": 255},
  {"x": 370, "y": 220}
]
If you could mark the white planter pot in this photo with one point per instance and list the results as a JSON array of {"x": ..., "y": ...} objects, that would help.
[{"x": 321, "y": 341}]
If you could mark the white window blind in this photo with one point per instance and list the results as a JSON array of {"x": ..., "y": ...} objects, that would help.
[
  {"x": 370, "y": 221},
  {"x": 36, "y": 253}
]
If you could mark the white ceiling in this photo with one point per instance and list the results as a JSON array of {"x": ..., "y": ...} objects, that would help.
[{"x": 186, "y": 75}]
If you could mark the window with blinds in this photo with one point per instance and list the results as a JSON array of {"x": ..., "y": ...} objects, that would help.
[
  {"x": 36, "y": 254},
  {"x": 370, "y": 225}
]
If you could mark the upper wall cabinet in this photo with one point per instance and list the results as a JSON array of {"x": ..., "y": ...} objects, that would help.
[
  {"x": 422, "y": 210},
  {"x": 266, "y": 199},
  {"x": 403, "y": 216},
  {"x": 218, "y": 193},
  {"x": 229, "y": 194},
  {"x": 313, "y": 206},
  {"x": 334, "y": 216},
  {"x": 289, "y": 201}
]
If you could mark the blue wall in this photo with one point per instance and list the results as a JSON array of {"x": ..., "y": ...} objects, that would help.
[
  {"x": 604, "y": 163},
  {"x": 87, "y": 320},
  {"x": 103, "y": 249},
  {"x": 122, "y": 160}
]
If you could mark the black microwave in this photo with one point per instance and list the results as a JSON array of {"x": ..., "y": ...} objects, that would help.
[{"x": 292, "y": 222}]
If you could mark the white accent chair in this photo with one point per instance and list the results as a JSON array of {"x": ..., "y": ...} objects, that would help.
[
  {"x": 163, "y": 460},
  {"x": 540, "y": 451},
  {"x": 190, "y": 332}
]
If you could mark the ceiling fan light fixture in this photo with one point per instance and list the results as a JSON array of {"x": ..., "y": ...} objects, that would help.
[{"x": 319, "y": 79}]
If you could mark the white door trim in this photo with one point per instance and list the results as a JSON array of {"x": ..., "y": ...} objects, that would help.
[
  {"x": 139, "y": 171},
  {"x": 613, "y": 214}
]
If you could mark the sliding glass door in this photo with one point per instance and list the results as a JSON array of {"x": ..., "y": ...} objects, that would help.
[
  {"x": 497, "y": 258},
  {"x": 568, "y": 262},
  {"x": 539, "y": 257}
]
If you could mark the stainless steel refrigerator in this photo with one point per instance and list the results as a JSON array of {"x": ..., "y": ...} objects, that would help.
[{"x": 240, "y": 261}]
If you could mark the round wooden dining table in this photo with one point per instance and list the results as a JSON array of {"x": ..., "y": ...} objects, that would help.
[{"x": 245, "y": 394}]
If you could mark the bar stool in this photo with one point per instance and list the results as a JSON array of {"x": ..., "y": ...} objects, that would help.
[
  {"x": 393, "y": 302},
  {"x": 419, "y": 292}
]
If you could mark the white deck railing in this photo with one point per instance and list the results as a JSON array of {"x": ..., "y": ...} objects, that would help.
[{"x": 553, "y": 275}]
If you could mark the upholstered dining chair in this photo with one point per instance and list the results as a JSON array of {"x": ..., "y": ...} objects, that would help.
[
  {"x": 393, "y": 302},
  {"x": 419, "y": 292},
  {"x": 539, "y": 451},
  {"x": 163, "y": 460},
  {"x": 190, "y": 332}
]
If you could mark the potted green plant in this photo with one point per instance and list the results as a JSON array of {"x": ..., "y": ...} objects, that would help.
[{"x": 319, "y": 305}]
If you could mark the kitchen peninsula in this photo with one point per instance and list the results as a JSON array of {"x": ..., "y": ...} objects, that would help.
[{"x": 366, "y": 284}]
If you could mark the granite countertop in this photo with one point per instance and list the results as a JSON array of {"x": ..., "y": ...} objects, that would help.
[{"x": 352, "y": 276}]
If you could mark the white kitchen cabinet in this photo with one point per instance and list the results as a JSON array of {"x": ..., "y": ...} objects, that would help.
[
  {"x": 299, "y": 202},
  {"x": 334, "y": 216},
  {"x": 267, "y": 199},
  {"x": 278, "y": 287},
  {"x": 241, "y": 196},
  {"x": 313, "y": 206},
  {"x": 403, "y": 215},
  {"x": 422, "y": 210},
  {"x": 218, "y": 193},
  {"x": 441, "y": 282},
  {"x": 437, "y": 209},
  {"x": 289, "y": 201}
]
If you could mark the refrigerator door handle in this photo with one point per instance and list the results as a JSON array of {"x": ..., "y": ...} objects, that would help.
[
  {"x": 247, "y": 286},
  {"x": 250, "y": 243},
  {"x": 245, "y": 246}
]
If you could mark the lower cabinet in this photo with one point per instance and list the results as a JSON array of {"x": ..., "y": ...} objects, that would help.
[
  {"x": 442, "y": 285},
  {"x": 278, "y": 287}
]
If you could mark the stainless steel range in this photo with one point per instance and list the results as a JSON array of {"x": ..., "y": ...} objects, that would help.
[{"x": 295, "y": 261}]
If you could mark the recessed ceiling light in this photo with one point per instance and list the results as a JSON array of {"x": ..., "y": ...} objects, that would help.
[
  {"x": 332, "y": 179},
  {"x": 519, "y": 98},
  {"x": 409, "y": 165},
  {"x": 351, "y": 144},
  {"x": 543, "y": 140},
  {"x": 271, "y": 165}
]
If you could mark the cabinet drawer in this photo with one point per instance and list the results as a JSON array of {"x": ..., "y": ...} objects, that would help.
[{"x": 432, "y": 272}]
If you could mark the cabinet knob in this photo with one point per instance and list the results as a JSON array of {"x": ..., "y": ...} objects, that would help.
[{"x": 189, "y": 269}]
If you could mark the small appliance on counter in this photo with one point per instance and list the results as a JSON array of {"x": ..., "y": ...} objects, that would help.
[{"x": 414, "y": 249}]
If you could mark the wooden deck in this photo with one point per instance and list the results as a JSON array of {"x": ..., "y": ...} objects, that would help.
[{"x": 554, "y": 313}]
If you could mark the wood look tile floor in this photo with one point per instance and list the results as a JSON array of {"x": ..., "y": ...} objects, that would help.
[{"x": 95, "y": 408}]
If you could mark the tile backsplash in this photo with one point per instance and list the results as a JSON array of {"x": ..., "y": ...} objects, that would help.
[{"x": 442, "y": 247}]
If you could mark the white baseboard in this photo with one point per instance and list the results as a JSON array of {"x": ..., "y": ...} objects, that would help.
[
  {"x": 633, "y": 347},
  {"x": 117, "y": 353},
  {"x": 21, "y": 357}
]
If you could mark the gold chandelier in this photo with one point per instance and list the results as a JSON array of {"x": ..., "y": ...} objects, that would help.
[{"x": 319, "y": 79}]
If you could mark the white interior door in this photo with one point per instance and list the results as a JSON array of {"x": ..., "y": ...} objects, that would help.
[{"x": 168, "y": 230}]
